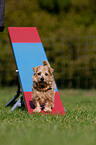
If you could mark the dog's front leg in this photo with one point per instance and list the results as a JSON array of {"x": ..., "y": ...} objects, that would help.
[
  {"x": 48, "y": 106},
  {"x": 37, "y": 107}
]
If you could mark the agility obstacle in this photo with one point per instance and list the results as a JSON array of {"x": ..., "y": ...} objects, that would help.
[{"x": 28, "y": 53}]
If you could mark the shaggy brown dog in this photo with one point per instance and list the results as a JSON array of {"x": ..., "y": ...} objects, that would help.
[{"x": 43, "y": 89}]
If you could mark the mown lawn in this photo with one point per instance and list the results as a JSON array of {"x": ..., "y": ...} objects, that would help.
[{"x": 77, "y": 127}]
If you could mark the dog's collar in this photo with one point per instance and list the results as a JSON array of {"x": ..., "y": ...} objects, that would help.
[{"x": 49, "y": 88}]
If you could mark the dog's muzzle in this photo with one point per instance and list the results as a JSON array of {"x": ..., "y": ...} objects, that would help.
[
  {"x": 42, "y": 79},
  {"x": 41, "y": 83}
]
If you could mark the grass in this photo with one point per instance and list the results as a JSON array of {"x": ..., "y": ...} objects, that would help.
[{"x": 78, "y": 126}]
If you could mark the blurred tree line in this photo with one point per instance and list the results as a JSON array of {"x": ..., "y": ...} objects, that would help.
[{"x": 65, "y": 28}]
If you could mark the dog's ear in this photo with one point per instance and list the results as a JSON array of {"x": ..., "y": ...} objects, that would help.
[
  {"x": 51, "y": 70},
  {"x": 45, "y": 63},
  {"x": 34, "y": 69}
]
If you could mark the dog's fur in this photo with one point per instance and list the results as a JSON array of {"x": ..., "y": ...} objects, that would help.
[{"x": 43, "y": 89}]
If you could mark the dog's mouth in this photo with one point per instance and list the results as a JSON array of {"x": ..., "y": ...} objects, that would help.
[{"x": 42, "y": 84}]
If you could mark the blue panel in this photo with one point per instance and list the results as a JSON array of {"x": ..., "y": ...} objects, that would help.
[{"x": 27, "y": 56}]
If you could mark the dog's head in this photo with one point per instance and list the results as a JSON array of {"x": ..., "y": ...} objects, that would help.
[{"x": 43, "y": 76}]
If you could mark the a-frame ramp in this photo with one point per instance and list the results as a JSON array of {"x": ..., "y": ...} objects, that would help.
[{"x": 29, "y": 52}]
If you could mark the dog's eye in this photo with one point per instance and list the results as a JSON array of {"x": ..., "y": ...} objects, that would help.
[
  {"x": 46, "y": 74},
  {"x": 39, "y": 73}
]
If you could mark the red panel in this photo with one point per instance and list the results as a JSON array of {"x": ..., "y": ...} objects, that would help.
[
  {"x": 58, "y": 107},
  {"x": 24, "y": 35}
]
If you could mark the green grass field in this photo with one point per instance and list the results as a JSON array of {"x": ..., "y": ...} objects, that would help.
[{"x": 77, "y": 127}]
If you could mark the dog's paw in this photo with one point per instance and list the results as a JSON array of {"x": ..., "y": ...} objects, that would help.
[
  {"x": 48, "y": 110},
  {"x": 52, "y": 106},
  {"x": 37, "y": 110}
]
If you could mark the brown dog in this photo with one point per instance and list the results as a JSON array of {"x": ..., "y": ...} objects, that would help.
[{"x": 43, "y": 89}]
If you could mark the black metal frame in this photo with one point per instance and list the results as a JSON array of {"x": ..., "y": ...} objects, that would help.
[{"x": 13, "y": 100}]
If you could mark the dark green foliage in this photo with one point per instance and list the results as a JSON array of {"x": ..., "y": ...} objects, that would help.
[
  {"x": 74, "y": 62},
  {"x": 47, "y": 4},
  {"x": 55, "y": 5},
  {"x": 63, "y": 5},
  {"x": 63, "y": 26}
]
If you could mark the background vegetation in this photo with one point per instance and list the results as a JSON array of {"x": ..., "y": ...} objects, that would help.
[{"x": 67, "y": 29}]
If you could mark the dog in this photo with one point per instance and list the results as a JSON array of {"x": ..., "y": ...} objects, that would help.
[{"x": 43, "y": 90}]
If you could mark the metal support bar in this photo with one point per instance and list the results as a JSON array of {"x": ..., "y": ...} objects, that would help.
[
  {"x": 15, "y": 97},
  {"x": 16, "y": 105},
  {"x": 19, "y": 103}
]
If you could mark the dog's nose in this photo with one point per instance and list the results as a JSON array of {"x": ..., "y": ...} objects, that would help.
[{"x": 42, "y": 79}]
